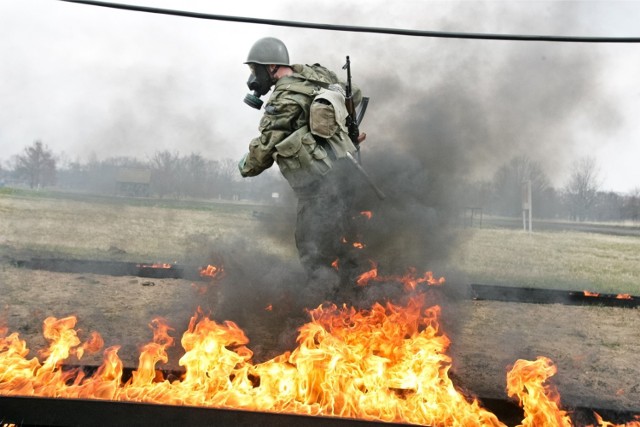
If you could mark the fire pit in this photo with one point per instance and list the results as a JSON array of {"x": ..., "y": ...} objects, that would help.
[
  {"x": 551, "y": 296},
  {"x": 32, "y": 411},
  {"x": 118, "y": 268},
  {"x": 388, "y": 363}
]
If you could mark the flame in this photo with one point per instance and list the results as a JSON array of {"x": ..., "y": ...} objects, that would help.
[
  {"x": 367, "y": 214},
  {"x": 93, "y": 345},
  {"x": 541, "y": 404},
  {"x": 22, "y": 376},
  {"x": 269, "y": 307},
  {"x": 388, "y": 363},
  {"x": 211, "y": 271},
  {"x": 527, "y": 380},
  {"x": 596, "y": 294},
  {"x": 357, "y": 245},
  {"x": 602, "y": 423},
  {"x": 410, "y": 280},
  {"x": 335, "y": 263},
  {"x": 155, "y": 265},
  {"x": 366, "y": 277}
]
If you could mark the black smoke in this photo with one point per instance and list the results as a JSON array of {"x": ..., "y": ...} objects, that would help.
[{"x": 447, "y": 112}]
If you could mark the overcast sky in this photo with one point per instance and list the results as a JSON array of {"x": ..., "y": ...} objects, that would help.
[{"x": 92, "y": 82}]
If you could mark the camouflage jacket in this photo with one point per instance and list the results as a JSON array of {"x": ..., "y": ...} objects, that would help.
[{"x": 284, "y": 131}]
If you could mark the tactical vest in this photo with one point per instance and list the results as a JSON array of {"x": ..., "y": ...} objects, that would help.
[{"x": 309, "y": 152}]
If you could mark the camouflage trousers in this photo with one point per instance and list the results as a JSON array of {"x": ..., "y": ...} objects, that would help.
[{"x": 325, "y": 229}]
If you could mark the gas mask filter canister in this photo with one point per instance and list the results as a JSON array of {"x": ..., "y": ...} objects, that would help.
[{"x": 260, "y": 83}]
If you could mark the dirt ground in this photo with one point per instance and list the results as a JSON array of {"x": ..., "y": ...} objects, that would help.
[{"x": 595, "y": 348}]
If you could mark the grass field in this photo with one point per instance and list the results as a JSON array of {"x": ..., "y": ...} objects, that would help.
[
  {"x": 71, "y": 225},
  {"x": 552, "y": 259},
  {"x": 96, "y": 227},
  {"x": 594, "y": 347}
]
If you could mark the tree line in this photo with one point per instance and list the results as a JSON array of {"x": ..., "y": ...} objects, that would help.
[
  {"x": 168, "y": 175},
  {"x": 581, "y": 198},
  {"x": 172, "y": 175}
]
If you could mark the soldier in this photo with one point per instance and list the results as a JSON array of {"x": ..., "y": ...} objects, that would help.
[{"x": 303, "y": 130}]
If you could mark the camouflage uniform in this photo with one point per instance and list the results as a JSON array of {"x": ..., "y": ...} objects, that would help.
[{"x": 315, "y": 167}]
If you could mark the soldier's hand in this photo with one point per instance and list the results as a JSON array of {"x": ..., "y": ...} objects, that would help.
[{"x": 362, "y": 137}]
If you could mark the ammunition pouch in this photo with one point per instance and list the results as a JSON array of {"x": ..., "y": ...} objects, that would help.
[
  {"x": 327, "y": 113},
  {"x": 300, "y": 156},
  {"x": 301, "y": 159},
  {"x": 327, "y": 119}
]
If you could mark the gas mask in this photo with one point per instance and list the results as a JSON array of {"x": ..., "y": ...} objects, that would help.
[{"x": 260, "y": 83}]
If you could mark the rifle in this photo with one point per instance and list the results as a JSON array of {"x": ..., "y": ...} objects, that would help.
[{"x": 353, "y": 123}]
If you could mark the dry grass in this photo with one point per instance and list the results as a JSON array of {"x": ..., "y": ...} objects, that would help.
[
  {"x": 117, "y": 229},
  {"x": 595, "y": 348},
  {"x": 166, "y": 232},
  {"x": 560, "y": 260}
]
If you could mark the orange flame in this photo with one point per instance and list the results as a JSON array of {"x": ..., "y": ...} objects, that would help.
[
  {"x": 210, "y": 271},
  {"x": 367, "y": 214},
  {"x": 388, "y": 363},
  {"x": 602, "y": 423},
  {"x": 335, "y": 263},
  {"x": 541, "y": 404},
  {"x": 366, "y": 277},
  {"x": 527, "y": 381},
  {"x": 269, "y": 307},
  {"x": 93, "y": 345},
  {"x": 410, "y": 280},
  {"x": 357, "y": 245},
  {"x": 155, "y": 265},
  {"x": 596, "y": 294}
]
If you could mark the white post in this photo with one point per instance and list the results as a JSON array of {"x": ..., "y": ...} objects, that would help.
[
  {"x": 526, "y": 205},
  {"x": 530, "y": 206}
]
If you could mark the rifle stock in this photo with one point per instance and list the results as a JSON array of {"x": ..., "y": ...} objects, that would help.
[{"x": 366, "y": 177}]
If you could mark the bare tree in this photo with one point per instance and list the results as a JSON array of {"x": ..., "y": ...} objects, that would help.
[
  {"x": 224, "y": 178},
  {"x": 164, "y": 166},
  {"x": 36, "y": 165},
  {"x": 632, "y": 205},
  {"x": 508, "y": 180},
  {"x": 582, "y": 188},
  {"x": 192, "y": 175}
]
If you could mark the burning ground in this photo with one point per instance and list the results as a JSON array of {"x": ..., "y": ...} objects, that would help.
[
  {"x": 463, "y": 111},
  {"x": 262, "y": 291},
  {"x": 594, "y": 348}
]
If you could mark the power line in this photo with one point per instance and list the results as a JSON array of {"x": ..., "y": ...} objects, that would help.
[{"x": 360, "y": 29}]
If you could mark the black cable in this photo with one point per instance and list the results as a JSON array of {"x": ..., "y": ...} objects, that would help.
[{"x": 357, "y": 29}]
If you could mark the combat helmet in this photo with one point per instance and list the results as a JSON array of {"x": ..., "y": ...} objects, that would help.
[{"x": 268, "y": 50}]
